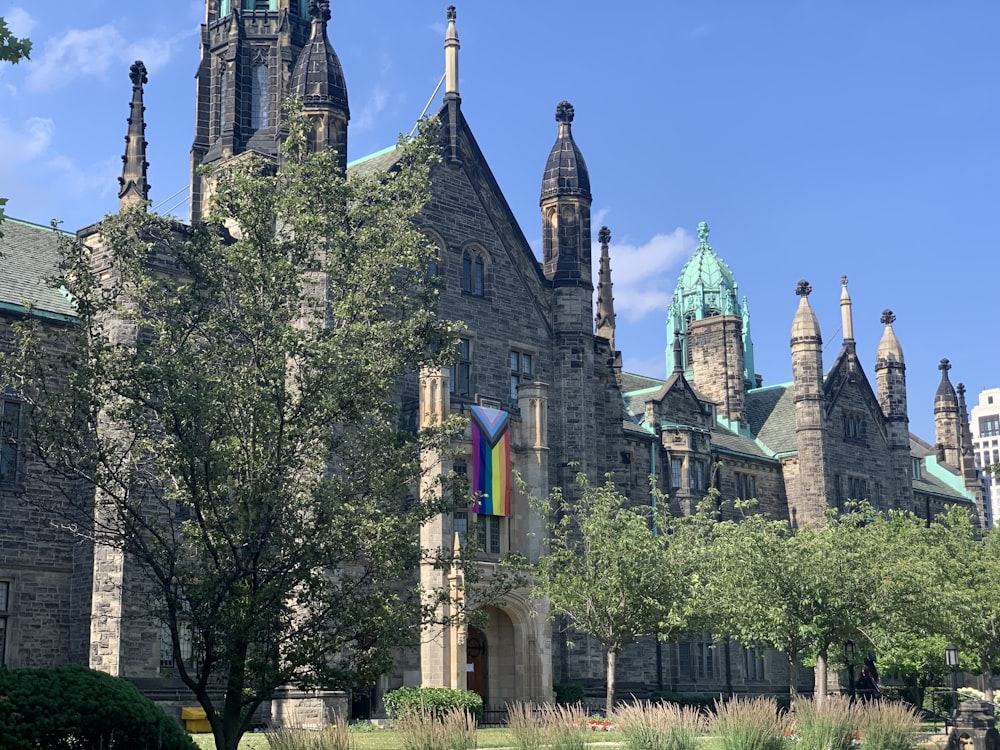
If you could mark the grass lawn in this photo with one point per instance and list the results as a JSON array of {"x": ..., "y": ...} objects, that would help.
[{"x": 389, "y": 740}]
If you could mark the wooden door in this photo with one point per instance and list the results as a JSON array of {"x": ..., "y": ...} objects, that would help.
[{"x": 475, "y": 662}]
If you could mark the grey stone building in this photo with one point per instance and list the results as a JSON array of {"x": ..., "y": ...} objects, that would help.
[{"x": 539, "y": 350}]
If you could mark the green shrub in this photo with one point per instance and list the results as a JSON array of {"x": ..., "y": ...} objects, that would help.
[
  {"x": 437, "y": 701},
  {"x": 81, "y": 708},
  {"x": 568, "y": 693},
  {"x": 680, "y": 699}
]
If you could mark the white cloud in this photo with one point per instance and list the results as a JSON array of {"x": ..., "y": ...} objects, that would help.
[
  {"x": 19, "y": 21},
  {"x": 644, "y": 275},
  {"x": 20, "y": 145},
  {"x": 93, "y": 52},
  {"x": 377, "y": 100}
]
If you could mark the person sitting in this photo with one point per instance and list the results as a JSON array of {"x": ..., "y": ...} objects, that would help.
[{"x": 869, "y": 685}]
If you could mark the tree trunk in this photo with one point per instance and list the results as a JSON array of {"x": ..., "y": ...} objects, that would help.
[
  {"x": 987, "y": 681},
  {"x": 609, "y": 702},
  {"x": 819, "y": 686},
  {"x": 793, "y": 677}
]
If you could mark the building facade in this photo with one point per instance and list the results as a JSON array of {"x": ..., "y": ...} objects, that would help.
[
  {"x": 537, "y": 369},
  {"x": 985, "y": 424}
]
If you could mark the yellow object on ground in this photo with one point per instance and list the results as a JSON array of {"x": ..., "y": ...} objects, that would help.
[{"x": 194, "y": 719}]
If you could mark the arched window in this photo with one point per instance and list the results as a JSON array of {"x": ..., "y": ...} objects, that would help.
[
  {"x": 259, "y": 95},
  {"x": 473, "y": 274}
]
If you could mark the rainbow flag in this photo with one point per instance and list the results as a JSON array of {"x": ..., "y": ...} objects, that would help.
[{"x": 491, "y": 461}]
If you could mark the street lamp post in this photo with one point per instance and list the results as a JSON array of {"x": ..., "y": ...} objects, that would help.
[
  {"x": 849, "y": 651},
  {"x": 951, "y": 659}
]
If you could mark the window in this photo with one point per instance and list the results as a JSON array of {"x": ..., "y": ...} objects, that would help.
[
  {"x": 989, "y": 426},
  {"x": 520, "y": 366},
  {"x": 260, "y": 94},
  {"x": 696, "y": 475},
  {"x": 753, "y": 663},
  {"x": 224, "y": 8},
  {"x": 857, "y": 489},
  {"x": 490, "y": 529},
  {"x": 676, "y": 472},
  {"x": 260, "y": 4},
  {"x": 746, "y": 486},
  {"x": 473, "y": 274},
  {"x": 705, "y": 660},
  {"x": 167, "y": 646},
  {"x": 4, "y": 612},
  {"x": 461, "y": 522},
  {"x": 10, "y": 433},
  {"x": 461, "y": 370},
  {"x": 915, "y": 467},
  {"x": 853, "y": 426}
]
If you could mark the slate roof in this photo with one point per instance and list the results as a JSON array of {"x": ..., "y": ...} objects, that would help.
[
  {"x": 725, "y": 440},
  {"x": 30, "y": 257},
  {"x": 380, "y": 161},
  {"x": 771, "y": 417}
]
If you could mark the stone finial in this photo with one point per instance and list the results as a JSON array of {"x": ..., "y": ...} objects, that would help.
[
  {"x": 944, "y": 366},
  {"x": 803, "y": 289},
  {"x": 961, "y": 390},
  {"x": 887, "y": 317},
  {"x": 604, "y": 236},
  {"x": 452, "y": 15},
  {"x": 319, "y": 10},
  {"x": 843, "y": 280},
  {"x": 564, "y": 112},
  {"x": 138, "y": 74},
  {"x": 703, "y": 232}
]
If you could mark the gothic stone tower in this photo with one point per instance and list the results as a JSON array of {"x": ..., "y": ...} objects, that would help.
[
  {"x": 254, "y": 55},
  {"x": 807, "y": 490},
  {"x": 890, "y": 376},
  {"x": 565, "y": 204},
  {"x": 713, "y": 328}
]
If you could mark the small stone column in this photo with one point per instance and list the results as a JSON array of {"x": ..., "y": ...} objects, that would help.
[{"x": 974, "y": 727}]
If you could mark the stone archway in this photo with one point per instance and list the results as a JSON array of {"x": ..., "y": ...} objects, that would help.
[{"x": 477, "y": 663}]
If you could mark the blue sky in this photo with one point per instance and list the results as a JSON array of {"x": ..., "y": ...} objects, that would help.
[{"x": 816, "y": 138}]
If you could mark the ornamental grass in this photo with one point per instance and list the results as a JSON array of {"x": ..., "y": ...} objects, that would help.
[
  {"x": 563, "y": 727},
  {"x": 748, "y": 724},
  {"x": 333, "y": 737},
  {"x": 658, "y": 726},
  {"x": 827, "y": 727},
  {"x": 889, "y": 725},
  {"x": 525, "y": 726},
  {"x": 421, "y": 729}
]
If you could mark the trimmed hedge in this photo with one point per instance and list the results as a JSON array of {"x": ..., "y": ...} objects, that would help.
[
  {"x": 45, "y": 708},
  {"x": 568, "y": 693},
  {"x": 435, "y": 700}
]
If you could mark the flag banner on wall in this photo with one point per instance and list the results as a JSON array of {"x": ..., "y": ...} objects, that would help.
[{"x": 491, "y": 461}]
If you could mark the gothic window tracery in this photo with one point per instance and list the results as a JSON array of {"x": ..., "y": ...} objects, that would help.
[{"x": 260, "y": 92}]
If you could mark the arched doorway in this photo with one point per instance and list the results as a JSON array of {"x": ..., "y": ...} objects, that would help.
[{"x": 476, "y": 663}]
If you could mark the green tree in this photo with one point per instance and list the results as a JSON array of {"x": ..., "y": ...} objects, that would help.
[
  {"x": 967, "y": 588},
  {"x": 12, "y": 50},
  {"x": 248, "y": 455},
  {"x": 806, "y": 591},
  {"x": 615, "y": 570}
]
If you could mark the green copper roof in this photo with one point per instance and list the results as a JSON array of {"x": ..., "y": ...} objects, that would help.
[{"x": 706, "y": 287}]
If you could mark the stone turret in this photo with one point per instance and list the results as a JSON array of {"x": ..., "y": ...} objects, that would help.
[
  {"x": 318, "y": 82},
  {"x": 706, "y": 313},
  {"x": 565, "y": 204},
  {"x": 890, "y": 378},
  {"x": 134, "y": 187},
  {"x": 247, "y": 60},
  {"x": 947, "y": 428},
  {"x": 807, "y": 496},
  {"x": 708, "y": 289}
]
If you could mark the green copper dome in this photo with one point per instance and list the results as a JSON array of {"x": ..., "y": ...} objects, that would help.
[{"x": 706, "y": 287}]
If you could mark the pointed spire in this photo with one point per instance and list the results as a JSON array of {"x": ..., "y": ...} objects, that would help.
[
  {"x": 945, "y": 389},
  {"x": 805, "y": 326},
  {"x": 565, "y": 171},
  {"x": 605, "y": 298},
  {"x": 451, "y": 47},
  {"x": 889, "y": 351},
  {"x": 134, "y": 187},
  {"x": 846, "y": 316}
]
